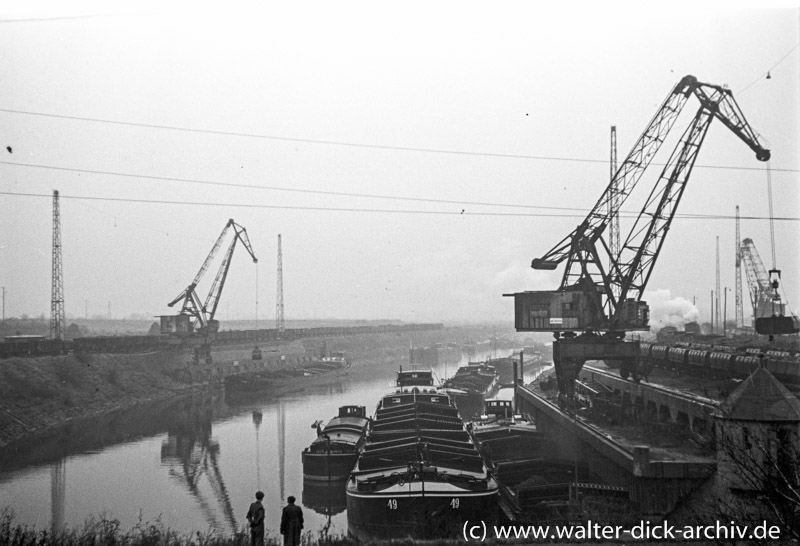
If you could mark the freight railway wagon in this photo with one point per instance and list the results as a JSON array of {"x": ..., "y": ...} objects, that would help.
[
  {"x": 95, "y": 344},
  {"x": 33, "y": 347},
  {"x": 135, "y": 344},
  {"x": 237, "y": 336},
  {"x": 714, "y": 361}
]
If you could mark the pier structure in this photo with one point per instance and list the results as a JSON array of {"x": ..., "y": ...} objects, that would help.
[
  {"x": 656, "y": 479},
  {"x": 216, "y": 372},
  {"x": 647, "y": 404}
]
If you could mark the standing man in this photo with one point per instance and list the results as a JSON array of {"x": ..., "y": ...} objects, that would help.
[
  {"x": 291, "y": 523},
  {"x": 255, "y": 515}
]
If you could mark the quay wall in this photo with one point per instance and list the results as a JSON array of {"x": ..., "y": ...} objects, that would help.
[{"x": 656, "y": 484}]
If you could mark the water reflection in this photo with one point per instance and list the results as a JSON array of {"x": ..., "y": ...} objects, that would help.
[
  {"x": 189, "y": 461},
  {"x": 325, "y": 498},
  {"x": 191, "y": 456},
  {"x": 258, "y": 417},
  {"x": 58, "y": 486},
  {"x": 94, "y": 434},
  {"x": 281, "y": 448}
]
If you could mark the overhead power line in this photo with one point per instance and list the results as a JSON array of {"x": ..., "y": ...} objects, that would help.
[
  {"x": 766, "y": 73},
  {"x": 285, "y": 207},
  {"x": 349, "y": 144},
  {"x": 49, "y": 19},
  {"x": 281, "y": 188},
  {"x": 373, "y": 210},
  {"x": 294, "y": 190}
]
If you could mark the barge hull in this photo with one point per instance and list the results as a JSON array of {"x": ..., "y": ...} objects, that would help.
[
  {"x": 437, "y": 514},
  {"x": 328, "y": 467}
]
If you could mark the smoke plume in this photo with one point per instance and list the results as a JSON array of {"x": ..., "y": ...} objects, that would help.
[{"x": 668, "y": 311}]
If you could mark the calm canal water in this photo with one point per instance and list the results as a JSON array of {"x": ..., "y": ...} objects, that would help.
[{"x": 193, "y": 464}]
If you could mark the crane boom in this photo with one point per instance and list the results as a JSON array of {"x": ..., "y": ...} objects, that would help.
[
  {"x": 716, "y": 103},
  {"x": 212, "y": 300},
  {"x": 202, "y": 315},
  {"x": 188, "y": 291},
  {"x": 601, "y": 289},
  {"x": 612, "y": 296},
  {"x": 769, "y": 311},
  {"x": 764, "y": 294},
  {"x": 624, "y": 180},
  {"x": 757, "y": 278}
]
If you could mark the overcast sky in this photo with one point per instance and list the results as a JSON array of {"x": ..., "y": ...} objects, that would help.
[{"x": 415, "y": 156}]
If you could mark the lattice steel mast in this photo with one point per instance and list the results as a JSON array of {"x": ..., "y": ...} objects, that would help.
[
  {"x": 57, "y": 320},
  {"x": 717, "y": 313},
  {"x": 280, "y": 323},
  {"x": 739, "y": 306},
  {"x": 613, "y": 208}
]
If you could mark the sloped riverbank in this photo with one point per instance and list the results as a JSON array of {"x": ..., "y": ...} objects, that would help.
[{"x": 37, "y": 394}]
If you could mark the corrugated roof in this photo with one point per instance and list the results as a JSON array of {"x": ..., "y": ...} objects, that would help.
[{"x": 761, "y": 397}]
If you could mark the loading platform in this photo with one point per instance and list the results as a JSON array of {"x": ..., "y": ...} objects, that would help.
[
  {"x": 646, "y": 403},
  {"x": 616, "y": 452}
]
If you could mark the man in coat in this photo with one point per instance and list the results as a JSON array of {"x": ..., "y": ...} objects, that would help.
[
  {"x": 255, "y": 516},
  {"x": 291, "y": 523}
]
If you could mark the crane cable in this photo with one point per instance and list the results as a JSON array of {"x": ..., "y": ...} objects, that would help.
[
  {"x": 774, "y": 280},
  {"x": 256, "y": 296},
  {"x": 774, "y": 268},
  {"x": 771, "y": 215}
]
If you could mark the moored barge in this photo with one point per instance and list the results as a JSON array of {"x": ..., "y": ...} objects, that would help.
[
  {"x": 419, "y": 473},
  {"x": 476, "y": 378},
  {"x": 504, "y": 435},
  {"x": 332, "y": 455}
]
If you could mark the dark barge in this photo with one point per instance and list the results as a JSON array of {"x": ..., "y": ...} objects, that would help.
[
  {"x": 332, "y": 455},
  {"x": 476, "y": 378},
  {"x": 419, "y": 473}
]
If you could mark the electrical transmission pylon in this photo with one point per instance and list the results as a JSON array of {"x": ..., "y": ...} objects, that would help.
[
  {"x": 718, "y": 310},
  {"x": 739, "y": 304},
  {"x": 280, "y": 323},
  {"x": 613, "y": 203},
  {"x": 57, "y": 320}
]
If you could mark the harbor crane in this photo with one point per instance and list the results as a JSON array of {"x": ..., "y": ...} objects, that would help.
[
  {"x": 596, "y": 303},
  {"x": 769, "y": 311},
  {"x": 196, "y": 317}
]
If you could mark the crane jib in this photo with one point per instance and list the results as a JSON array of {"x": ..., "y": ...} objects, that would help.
[{"x": 194, "y": 316}]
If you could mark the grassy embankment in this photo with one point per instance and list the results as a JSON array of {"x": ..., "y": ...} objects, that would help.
[
  {"x": 40, "y": 393},
  {"x": 108, "y": 532}
]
